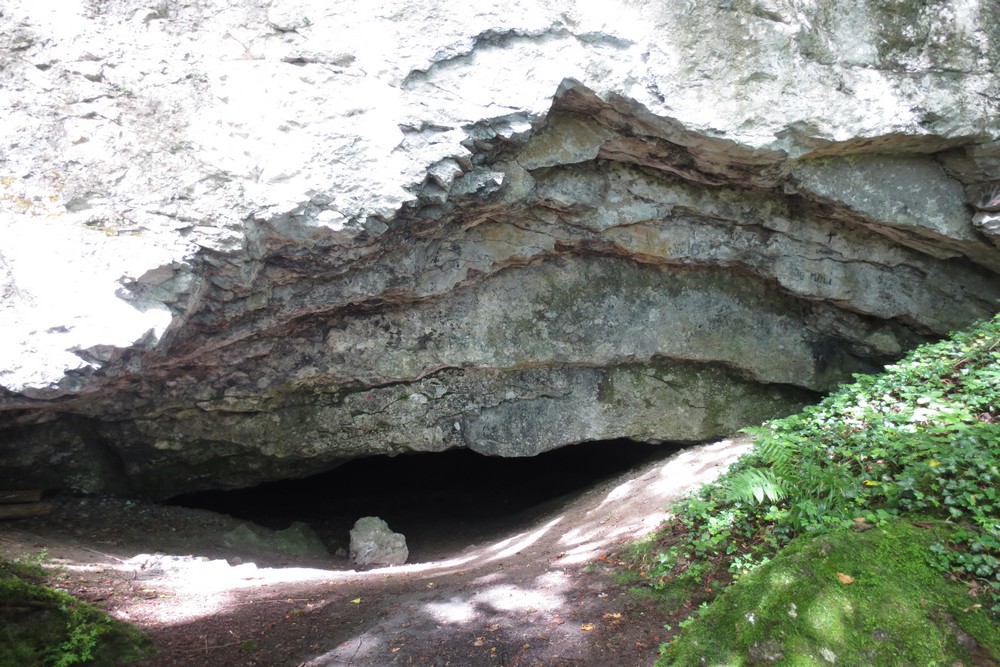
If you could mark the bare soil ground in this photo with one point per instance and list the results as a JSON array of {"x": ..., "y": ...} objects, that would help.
[{"x": 539, "y": 593}]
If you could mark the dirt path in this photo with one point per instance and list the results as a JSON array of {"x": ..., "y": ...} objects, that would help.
[{"x": 537, "y": 596}]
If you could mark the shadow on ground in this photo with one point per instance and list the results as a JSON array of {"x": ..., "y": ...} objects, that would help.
[{"x": 534, "y": 591}]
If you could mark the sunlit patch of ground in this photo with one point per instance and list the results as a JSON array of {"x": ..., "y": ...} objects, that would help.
[{"x": 520, "y": 594}]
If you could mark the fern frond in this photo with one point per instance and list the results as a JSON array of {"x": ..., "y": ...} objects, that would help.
[
  {"x": 781, "y": 453},
  {"x": 754, "y": 484}
]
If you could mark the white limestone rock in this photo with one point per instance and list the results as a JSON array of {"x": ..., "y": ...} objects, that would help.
[{"x": 373, "y": 543}]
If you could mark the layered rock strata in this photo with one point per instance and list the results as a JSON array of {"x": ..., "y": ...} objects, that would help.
[{"x": 518, "y": 230}]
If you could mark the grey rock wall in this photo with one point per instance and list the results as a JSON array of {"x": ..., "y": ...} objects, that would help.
[{"x": 249, "y": 240}]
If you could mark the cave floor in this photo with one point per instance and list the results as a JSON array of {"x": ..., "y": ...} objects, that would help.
[{"x": 538, "y": 593}]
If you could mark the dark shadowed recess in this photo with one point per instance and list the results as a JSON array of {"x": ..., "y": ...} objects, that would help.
[{"x": 442, "y": 502}]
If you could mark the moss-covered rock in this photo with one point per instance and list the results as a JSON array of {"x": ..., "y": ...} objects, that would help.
[
  {"x": 45, "y": 627},
  {"x": 847, "y": 598}
]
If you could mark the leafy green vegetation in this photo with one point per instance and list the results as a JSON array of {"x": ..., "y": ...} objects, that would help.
[
  {"x": 917, "y": 445},
  {"x": 49, "y": 628}
]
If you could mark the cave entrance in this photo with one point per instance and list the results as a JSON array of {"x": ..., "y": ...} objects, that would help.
[{"x": 442, "y": 502}]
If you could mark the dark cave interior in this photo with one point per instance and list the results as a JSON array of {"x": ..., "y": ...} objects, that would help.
[{"x": 442, "y": 502}]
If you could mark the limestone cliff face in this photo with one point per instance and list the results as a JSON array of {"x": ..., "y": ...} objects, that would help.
[{"x": 248, "y": 240}]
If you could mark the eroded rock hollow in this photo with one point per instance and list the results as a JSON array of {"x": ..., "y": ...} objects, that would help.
[{"x": 256, "y": 240}]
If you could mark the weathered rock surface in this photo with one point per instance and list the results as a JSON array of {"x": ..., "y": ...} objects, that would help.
[
  {"x": 249, "y": 240},
  {"x": 374, "y": 543}
]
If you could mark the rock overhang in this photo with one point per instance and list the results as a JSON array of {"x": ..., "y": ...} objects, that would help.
[{"x": 452, "y": 256}]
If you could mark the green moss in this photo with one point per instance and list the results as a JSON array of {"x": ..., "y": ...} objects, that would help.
[
  {"x": 606, "y": 388},
  {"x": 896, "y": 611},
  {"x": 625, "y": 577},
  {"x": 49, "y": 628}
]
